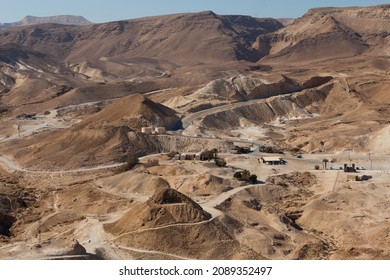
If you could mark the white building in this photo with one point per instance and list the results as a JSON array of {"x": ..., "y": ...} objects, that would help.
[
  {"x": 147, "y": 130},
  {"x": 273, "y": 160},
  {"x": 160, "y": 130}
]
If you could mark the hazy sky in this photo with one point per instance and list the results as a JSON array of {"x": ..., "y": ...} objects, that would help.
[{"x": 110, "y": 10}]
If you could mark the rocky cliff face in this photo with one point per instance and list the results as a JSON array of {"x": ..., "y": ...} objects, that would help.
[
  {"x": 313, "y": 36},
  {"x": 266, "y": 111},
  {"x": 218, "y": 38}
]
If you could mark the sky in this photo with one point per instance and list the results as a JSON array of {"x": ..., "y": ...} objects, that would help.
[{"x": 110, "y": 10}]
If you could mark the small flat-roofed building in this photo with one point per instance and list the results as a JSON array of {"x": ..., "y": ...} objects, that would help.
[
  {"x": 176, "y": 157},
  {"x": 147, "y": 130},
  {"x": 187, "y": 156},
  {"x": 273, "y": 160},
  {"x": 160, "y": 130},
  {"x": 198, "y": 156}
]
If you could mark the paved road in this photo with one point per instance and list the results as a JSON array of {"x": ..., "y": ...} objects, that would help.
[
  {"x": 13, "y": 166},
  {"x": 187, "y": 121},
  {"x": 153, "y": 252}
]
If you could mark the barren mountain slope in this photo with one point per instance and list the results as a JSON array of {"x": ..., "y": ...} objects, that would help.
[
  {"x": 172, "y": 37},
  {"x": 148, "y": 49},
  {"x": 313, "y": 37},
  {"x": 369, "y": 22},
  {"x": 165, "y": 207},
  {"x": 290, "y": 218},
  {"x": 29, "y": 77},
  {"x": 109, "y": 135},
  {"x": 319, "y": 85},
  {"x": 329, "y": 33},
  {"x": 135, "y": 111},
  {"x": 179, "y": 226},
  {"x": 61, "y": 19},
  {"x": 14, "y": 201}
]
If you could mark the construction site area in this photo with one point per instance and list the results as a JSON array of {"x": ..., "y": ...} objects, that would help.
[{"x": 175, "y": 205}]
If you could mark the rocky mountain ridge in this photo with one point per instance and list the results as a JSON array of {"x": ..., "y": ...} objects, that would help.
[{"x": 60, "y": 19}]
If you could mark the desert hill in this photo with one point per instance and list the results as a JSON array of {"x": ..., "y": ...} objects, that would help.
[
  {"x": 159, "y": 51},
  {"x": 365, "y": 21},
  {"x": 14, "y": 200},
  {"x": 62, "y": 19},
  {"x": 311, "y": 37},
  {"x": 29, "y": 77},
  {"x": 219, "y": 38},
  {"x": 315, "y": 92},
  {"x": 179, "y": 223},
  {"x": 134, "y": 111},
  {"x": 165, "y": 207},
  {"x": 148, "y": 54},
  {"x": 109, "y": 135}
]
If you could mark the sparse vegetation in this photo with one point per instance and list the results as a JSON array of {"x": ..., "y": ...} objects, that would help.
[
  {"x": 245, "y": 176},
  {"x": 325, "y": 161},
  {"x": 56, "y": 175},
  {"x": 253, "y": 204},
  {"x": 130, "y": 162},
  {"x": 209, "y": 154},
  {"x": 171, "y": 154},
  {"x": 270, "y": 150},
  {"x": 242, "y": 150},
  {"x": 220, "y": 162}
]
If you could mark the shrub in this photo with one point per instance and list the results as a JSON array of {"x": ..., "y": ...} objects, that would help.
[
  {"x": 237, "y": 175},
  {"x": 325, "y": 161},
  {"x": 242, "y": 150},
  {"x": 270, "y": 150},
  {"x": 171, "y": 154},
  {"x": 246, "y": 176},
  {"x": 130, "y": 162},
  {"x": 209, "y": 154},
  {"x": 220, "y": 162},
  {"x": 252, "y": 178},
  {"x": 316, "y": 167}
]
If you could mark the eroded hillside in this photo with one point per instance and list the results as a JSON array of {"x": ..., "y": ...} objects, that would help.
[{"x": 197, "y": 136}]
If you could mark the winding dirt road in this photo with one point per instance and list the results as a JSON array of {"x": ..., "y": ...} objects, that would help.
[{"x": 15, "y": 167}]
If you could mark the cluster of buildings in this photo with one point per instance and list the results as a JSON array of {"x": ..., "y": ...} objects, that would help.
[
  {"x": 188, "y": 156},
  {"x": 153, "y": 130}
]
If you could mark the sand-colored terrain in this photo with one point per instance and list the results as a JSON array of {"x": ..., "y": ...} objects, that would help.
[{"x": 80, "y": 178}]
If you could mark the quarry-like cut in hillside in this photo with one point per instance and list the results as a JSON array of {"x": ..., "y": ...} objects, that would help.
[
  {"x": 265, "y": 110},
  {"x": 250, "y": 96}
]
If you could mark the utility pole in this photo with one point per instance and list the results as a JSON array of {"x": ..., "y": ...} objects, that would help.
[
  {"x": 18, "y": 129},
  {"x": 369, "y": 156},
  {"x": 39, "y": 234},
  {"x": 349, "y": 157}
]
